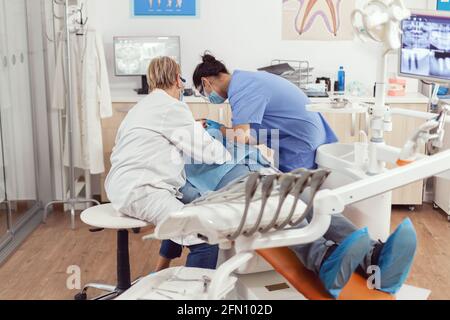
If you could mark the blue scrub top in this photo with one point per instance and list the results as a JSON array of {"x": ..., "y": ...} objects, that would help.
[{"x": 266, "y": 101}]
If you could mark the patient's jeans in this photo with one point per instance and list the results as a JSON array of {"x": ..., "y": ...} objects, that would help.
[
  {"x": 203, "y": 255},
  {"x": 312, "y": 254}
]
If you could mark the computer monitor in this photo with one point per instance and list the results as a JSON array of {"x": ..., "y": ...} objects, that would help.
[
  {"x": 425, "y": 51},
  {"x": 132, "y": 55}
]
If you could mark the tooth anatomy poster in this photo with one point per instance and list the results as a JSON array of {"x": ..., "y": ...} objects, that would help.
[
  {"x": 326, "y": 20},
  {"x": 142, "y": 8}
]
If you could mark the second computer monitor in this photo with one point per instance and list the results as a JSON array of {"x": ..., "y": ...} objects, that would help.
[
  {"x": 425, "y": 52},
  {"x": 133, "y": 55}
]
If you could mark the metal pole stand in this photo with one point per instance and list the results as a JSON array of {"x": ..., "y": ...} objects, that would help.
[
  {"x": 73, "y": 200},
  {"x": 71, "y": 203}
]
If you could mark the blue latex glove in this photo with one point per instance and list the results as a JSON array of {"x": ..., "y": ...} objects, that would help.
[
  {"x": 213, "y": 125},
  {"x": 442, "y": 91}
]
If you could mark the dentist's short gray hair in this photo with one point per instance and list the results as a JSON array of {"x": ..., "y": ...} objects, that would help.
[{"x": 163, "y": 73}]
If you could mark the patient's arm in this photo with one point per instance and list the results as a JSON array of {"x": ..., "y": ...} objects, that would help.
[
  {"x": 239, "y": 134},
  {"x": 189, "y": 136}
]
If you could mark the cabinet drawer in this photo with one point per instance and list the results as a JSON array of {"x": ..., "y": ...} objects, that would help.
[{"x": 346, "y": 126}]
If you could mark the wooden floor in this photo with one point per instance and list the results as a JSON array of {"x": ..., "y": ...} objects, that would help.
[{"x": 38, "y": 269}]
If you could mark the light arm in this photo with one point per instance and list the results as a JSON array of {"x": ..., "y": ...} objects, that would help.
[{"x": 329, "y": 202}]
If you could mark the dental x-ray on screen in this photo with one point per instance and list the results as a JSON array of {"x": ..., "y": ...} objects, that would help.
[
  {"x": 425, "y": 49},
  {"x": 134, "y": 54}
]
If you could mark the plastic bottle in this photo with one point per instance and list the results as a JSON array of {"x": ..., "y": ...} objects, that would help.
[{"x": 341, "y": 79}]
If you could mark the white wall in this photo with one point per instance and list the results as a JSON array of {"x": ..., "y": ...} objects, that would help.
[{"x": 245, "y": 34}]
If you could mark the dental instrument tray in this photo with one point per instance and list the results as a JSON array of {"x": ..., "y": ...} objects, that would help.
[
  {"x": 296, "y": 71},
  {"x": 179, "y": 283},
  {"x": 340, "y": 103},
  {"x": 278, "y": 69}
]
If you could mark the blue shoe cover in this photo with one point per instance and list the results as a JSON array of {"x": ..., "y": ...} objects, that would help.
[
  {"x": 337, "y": 270},
  {"x": 397, "y": 256}
]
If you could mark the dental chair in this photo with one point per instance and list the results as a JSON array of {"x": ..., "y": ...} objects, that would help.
[
  {"x": 286, "y": 263},
  {"x": 253, "y": 222}
]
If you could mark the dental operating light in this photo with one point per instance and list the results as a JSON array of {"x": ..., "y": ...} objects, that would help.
[{"x": 379, "y": 20}]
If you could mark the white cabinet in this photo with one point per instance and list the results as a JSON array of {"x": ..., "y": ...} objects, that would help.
[
  {"x": 442, "y": 186},
  {"x": 346, "y": 126}
]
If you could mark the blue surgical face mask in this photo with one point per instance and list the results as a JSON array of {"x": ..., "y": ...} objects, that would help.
[
  {"x": 215, "y": 98},
  {"x": 182, "y": 95},
  {"x": 182, "y": 89}
]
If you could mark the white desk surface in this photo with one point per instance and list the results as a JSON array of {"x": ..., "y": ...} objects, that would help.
[{"x": 130, "y": 96}]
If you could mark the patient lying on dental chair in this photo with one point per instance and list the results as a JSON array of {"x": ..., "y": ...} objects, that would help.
[
  {"x": 343, "y": 250},
  {"x": 335, "y": 257}
]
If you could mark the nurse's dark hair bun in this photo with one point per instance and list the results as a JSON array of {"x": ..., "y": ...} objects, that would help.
[
  {"x": 210, "y": 67},
  {"x": 208, "y": 58}
]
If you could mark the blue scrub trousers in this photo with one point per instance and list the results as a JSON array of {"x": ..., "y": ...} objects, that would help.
[{"x": 203, "y": 255}]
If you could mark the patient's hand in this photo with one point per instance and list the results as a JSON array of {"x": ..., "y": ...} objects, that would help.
[{"x": 203, "y": 123}]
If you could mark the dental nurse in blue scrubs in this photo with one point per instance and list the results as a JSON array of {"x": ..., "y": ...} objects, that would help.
[{"x": 260, "y": 100}]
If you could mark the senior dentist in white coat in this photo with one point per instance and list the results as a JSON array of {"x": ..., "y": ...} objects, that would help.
[{"x": 148, "y": 161}]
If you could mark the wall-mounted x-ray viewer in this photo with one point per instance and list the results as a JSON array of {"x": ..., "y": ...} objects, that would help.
[
  {"x": 132, "y": 55},
  {"x": 425, "y": 52}
]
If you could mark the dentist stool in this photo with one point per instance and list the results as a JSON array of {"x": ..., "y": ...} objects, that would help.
[{"x": 105, "y": 217}]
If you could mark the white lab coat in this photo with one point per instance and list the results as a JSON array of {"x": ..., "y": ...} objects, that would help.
[
  {"x": 148, "y": 160},
  {"x": 91, "y": 98}
]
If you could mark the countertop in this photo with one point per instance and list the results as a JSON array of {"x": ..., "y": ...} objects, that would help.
[{"x": 130, "y": 96}]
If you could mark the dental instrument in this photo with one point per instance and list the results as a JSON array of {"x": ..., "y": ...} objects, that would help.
[
  {"x": 286, "y": 185},
  {"x": 423, "y": 136},
  {"x": 267, "y": 188}
]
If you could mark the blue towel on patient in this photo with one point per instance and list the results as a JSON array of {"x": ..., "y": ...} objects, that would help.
[{"x": 206, "y": 177}]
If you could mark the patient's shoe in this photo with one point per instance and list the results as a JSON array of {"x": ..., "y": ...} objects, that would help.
[
  {"x": 339, "y": 267},
  {"x": 396, "y": 257}
]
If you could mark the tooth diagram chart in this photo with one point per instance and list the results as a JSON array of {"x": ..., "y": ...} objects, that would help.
[
  {"x": 142, "y": 8},
  {"x": 317, "y": 20}
]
